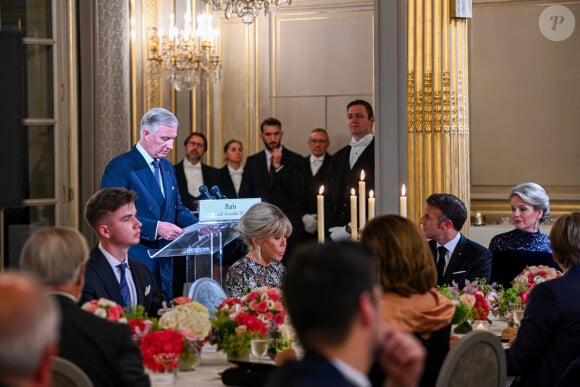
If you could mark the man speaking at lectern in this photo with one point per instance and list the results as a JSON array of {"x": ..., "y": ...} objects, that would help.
[{"x": 145, "y": 170}]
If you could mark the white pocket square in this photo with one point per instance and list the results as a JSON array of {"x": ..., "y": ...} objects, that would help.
[{"x": 147, "y": 290}]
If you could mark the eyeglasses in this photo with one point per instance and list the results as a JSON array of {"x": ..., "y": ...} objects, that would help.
[
  {"x": 318, "y": 141},
  {"x": 196, "y": 144}
]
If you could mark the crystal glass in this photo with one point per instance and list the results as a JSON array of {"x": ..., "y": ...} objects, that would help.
[{"x": 259, "y": 347}]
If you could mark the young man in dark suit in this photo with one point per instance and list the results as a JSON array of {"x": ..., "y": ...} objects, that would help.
[
  {"x": 342, "y": 332},
  {"x": 112, "y": 215},
  {"x": 348, "y": 163},
  {"x": 145, "y": 170},
  {"x": 103, "y": 349},
  {"x": 275, "y": 175},
  {"x": 457, "y": 257},
  {"x": 316, "y": 170},
  {"x": 191, "y": 173}
]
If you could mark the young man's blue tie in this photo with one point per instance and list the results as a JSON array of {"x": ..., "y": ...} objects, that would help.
[{"x": 125, "y": 293}]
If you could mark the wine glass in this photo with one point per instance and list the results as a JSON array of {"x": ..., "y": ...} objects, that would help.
[
  {"x": 518, "y": 315},
  {"x": 259, "y": 348}
]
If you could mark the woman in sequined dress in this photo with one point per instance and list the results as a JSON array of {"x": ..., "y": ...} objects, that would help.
[
  {"x": 526, "y": 245},
  {"x": 264, "y": 229}
]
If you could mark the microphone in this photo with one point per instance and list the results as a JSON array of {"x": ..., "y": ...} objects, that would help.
[
  {"x": 217, "y": 193},
  {"x": 205, "y": 193}
]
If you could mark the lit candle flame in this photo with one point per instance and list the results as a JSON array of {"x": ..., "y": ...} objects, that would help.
[
  {"x": 371, "y": 194},
  {"x": 403, "y": 190},
  {"x": 321, "y": 190},
  {"x": 362, "y": 174},
  {"x": 352, "y": 192}
]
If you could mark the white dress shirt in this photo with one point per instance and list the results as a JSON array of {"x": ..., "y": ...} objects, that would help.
[
  {"x": 193, "y": 176},
  {"x": 358, "y": 147},
  {"x": 316, "y": 163},
  {"x": 236, "y": 176},
  {"x": 450, "y": 246},
  {"x": 114, "y": 262}
]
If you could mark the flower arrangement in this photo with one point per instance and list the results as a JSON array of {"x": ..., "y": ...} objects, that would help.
[
  {"x": 184, "y": 326},
  {"x": 258, "y": 314},
  {"x": 107, "y": 309},
  {"x": 473, "y": 302},
  {"x": 532, "y": 276}
]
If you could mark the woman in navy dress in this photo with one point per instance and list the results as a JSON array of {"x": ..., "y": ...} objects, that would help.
[{"x": 526, "y": 245}]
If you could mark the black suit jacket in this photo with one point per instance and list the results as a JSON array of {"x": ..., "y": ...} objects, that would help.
[
  {"x": 312, "y": 183},
  {"x": 100, "y": 281},
  {"x": 343, "y": 178},
  {"x": 225, "y": 183},
  {"x": 210, "y": 178},
  {"x": 285, "y": 190},
  {"x": 101, "y": 348},
  {"x": 312, "y": 371},
  {"x": 470, "y": 260}
]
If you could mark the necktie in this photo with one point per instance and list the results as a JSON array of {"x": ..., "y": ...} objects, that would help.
[
  {"x": 125, "y": 293},
  {"x": 157, "y": 169},
  {"x": 442, "y": 251},
  {"x": 271, "y": 171}
]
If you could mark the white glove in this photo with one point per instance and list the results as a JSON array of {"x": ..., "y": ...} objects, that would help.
[
  {"x": 310, "y": 223},
  {"x": 339, "y": 233}
]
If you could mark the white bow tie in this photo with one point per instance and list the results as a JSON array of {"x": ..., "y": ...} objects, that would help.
[{"x": 363, "y": 142}]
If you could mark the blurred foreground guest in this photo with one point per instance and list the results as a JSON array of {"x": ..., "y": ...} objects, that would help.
[
  {"x": 342, "y": 331},
  {"x": 525, "y": 245},
  {"x": 110, "y": 272},
  {"x": 458, "y": 258},
  {"x": 264, "y": 229},
  {"x": 408, "y": 275},
  {"x": 549, "y": 337},
  {"x": 101, "y": 348},
  {"x": 28, "y": 332}
]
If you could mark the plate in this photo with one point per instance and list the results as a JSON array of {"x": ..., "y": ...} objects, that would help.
[{"x": 254, "y": 365}]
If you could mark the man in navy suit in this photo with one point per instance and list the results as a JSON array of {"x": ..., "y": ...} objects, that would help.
[
  {"x": 145, "y": 170},
  {"x": 348, "y": 163},
  {"x": 191, "y": 173},
  {"x": 343, "y": 332},
  {"x": 103, "y": 349},
  {"x": 275, "y": 175},
  {"x": 316, "y": 170},
  {"x": 112, "y": 215},
  {"x": 457, "y": 257}
]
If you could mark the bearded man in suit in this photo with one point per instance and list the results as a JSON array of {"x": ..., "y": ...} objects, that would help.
[
  {"x": 112, "y": 215},
  {"x": 457, "y": 257},
  {"x": 160, "y": 210},
  {"x": 103, "y": 349},
  {"x": 275, "y": 175}
]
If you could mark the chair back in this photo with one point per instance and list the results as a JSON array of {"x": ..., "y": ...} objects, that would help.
[
  {"x": 476, "y": 360},
  {"x": 207, "y": 292},
  {"x": 67, "y": 374}
]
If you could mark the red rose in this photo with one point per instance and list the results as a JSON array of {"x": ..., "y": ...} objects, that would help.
[
  {"x": 279, "y": 319},
  {"x": 262, "y": 307}
]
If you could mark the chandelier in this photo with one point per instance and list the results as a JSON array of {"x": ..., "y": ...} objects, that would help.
[
  {"x": 187, "y": 55},
  {"x": 247, "y": 10}
]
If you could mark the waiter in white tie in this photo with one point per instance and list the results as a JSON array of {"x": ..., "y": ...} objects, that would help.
[
  {"x": 347, "y": 164},
  {"x": 316, "y": 167}
]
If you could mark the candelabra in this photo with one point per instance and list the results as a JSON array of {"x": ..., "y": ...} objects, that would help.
[
  {"x": 247, "y": 10},
  {"x": 186, "y": 56}
]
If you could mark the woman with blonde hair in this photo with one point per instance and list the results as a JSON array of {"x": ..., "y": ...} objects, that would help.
[
  {"x": 407, "y": 274},
  {"x": 264, "y": 229}
]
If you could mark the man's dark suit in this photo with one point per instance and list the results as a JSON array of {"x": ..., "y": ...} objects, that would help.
[
  {"x": 101, "y": 282},
  {"x": 284, "y": 190},
  {"x": 130, "y": 170},
  {"x": 225, "y": 183},
  {"x": 343, "y": 178},
  {"x": 210, "y": 178},
  {"x": 312, "y": 371},
  {"x": 101, "y": 348},
  {"x": 469, "y": 260},
  {"x": 548, "y": 340}
]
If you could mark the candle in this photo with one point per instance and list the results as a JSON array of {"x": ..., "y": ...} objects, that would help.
[
  {"x": 403, "y": 202},
  {"x": 320, "y": 213},
  {"x": 362, "y": 194},
  {"x": 371, "y": 204},
  {"x": 353, "y": 216}
]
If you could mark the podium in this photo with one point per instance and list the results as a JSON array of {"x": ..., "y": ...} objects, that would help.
[{"x": 202, "y": 243}]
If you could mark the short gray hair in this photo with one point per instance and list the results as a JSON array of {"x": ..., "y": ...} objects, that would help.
[
  {"x": 535, "y": 195},
  {"x": 29, "y": 321},
  {"x": 55, "y": 255},
  {"x": 262, "y": 221},
  {"x": 156, "y": 117}
]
